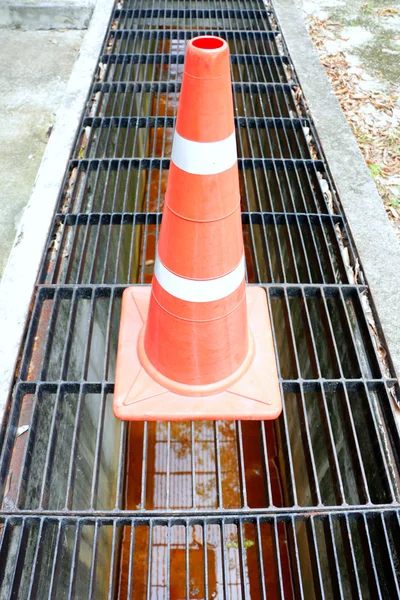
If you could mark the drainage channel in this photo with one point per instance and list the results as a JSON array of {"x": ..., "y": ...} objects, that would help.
[{"x": 303, "y": 507}]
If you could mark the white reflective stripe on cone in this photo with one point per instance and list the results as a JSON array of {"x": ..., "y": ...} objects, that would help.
[
  {"x": 199, "y": 290},
  {"x": 204, "y": 158}
]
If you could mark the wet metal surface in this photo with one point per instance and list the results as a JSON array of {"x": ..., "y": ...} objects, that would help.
[{"x": 303, "y": 507}]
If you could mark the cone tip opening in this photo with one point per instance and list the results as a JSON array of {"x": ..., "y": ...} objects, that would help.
[{"x": 208, "y": 43}]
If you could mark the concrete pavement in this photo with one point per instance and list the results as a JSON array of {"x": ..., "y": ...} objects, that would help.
[{"x": 36, "y": 66}]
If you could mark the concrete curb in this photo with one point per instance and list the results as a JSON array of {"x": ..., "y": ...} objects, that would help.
[
  {"x": 377, "y": 245},
  {"x": 46, "y": 15},
  {"x": 21, "y": 272}
]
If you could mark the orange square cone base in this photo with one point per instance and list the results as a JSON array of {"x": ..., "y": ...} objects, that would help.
[{"x": 139, "y": 397}]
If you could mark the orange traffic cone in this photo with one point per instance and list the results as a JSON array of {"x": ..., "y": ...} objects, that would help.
[{"x": 198, "y": 344}]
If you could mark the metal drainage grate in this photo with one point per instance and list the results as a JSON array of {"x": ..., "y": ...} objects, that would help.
[{"x": 303, "y": 507}]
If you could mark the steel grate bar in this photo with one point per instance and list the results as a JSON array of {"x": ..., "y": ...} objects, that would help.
[
  {"x": 169, "y": 544},
  {"x": 127, "y": 42},
  {"x": 123, "y": 137},
  {"x": 306, "y": 506},
  {"x": 269, "y": 100},
  {"x": 365, "y": 481},
  {"x": 282, "y": 242},
  {"x": 352, "y": 353},
  {"x": 296, "y": 181},
  {"x": 193, "y": 19}
]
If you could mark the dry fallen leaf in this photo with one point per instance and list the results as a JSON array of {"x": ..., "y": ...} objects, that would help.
[
  {"x": 94, "y": 104},
  {"x": 102, "y": 68},
  {"x": 353, "y": 273},
  {"x": 70, "y": 187},
  {"x": 380, "y": 349},
  {"x": 356, "y": 271},
  {"x": 387, "y": 12},
  {"x": 392, "y": 392},
  {"x": 8, "y": 483},
  {"x": 329, "y": 199},
  {"x": 21, "y": 430}
]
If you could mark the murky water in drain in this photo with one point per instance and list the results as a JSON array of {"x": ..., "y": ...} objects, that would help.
[{"x": 187, "y": 465}]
